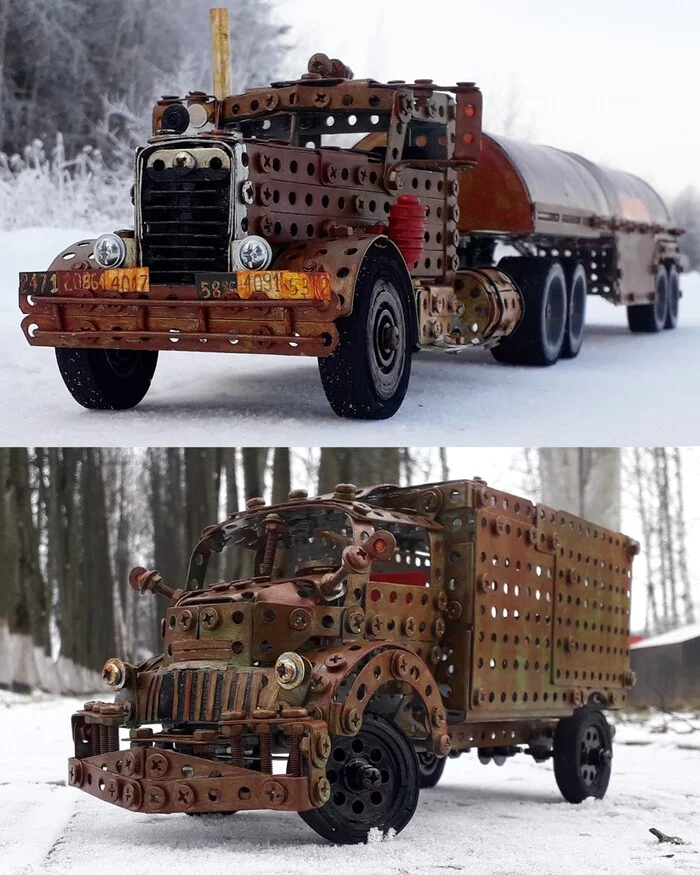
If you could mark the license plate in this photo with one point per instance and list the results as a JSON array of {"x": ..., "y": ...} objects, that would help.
[
  {"x": 122, "y": 280},
  {"x": 280, "y": 285}
]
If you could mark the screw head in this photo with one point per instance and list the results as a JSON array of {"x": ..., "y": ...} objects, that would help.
[
  {"x": 400, "y": 666},
  {"x": 129, "y": 764},
  {"x": 156, "y": 765},
  {"x": 300, "y": 620},
  {"x": 75, "y": 773},
  {"x": 322, "y": 790},
  {"x": 183, "y": 796},
  {"x": 209, "y": 618},
  {"x": 155, "y": 799},
  {"x": 273, "y": 793}
]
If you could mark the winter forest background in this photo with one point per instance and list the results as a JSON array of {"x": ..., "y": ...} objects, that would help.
[
  {"x": 68, "y": 126},
  {"x": 74, "y": 521}
]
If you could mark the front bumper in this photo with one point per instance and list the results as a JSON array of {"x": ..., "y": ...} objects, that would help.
[
  {"x": 152, "y": 777},
  {"x": 273, "y": 312}
]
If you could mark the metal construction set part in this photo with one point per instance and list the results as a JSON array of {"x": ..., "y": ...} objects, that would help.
[
  {"x": 369, "y": 635},
  {"x": 353, "y": 221}
]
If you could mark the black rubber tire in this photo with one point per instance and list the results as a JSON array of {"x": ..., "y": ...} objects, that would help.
[
  {"x": 577, "y": 286},
  {"x": 674, "y": 297},
  {"x": 583, "y": 755},
  {"x": 101, "y": 379},
  {"x": 381, "y": 747},
  {"x": 430, "y": 768},
  {"x": 539, "y": 338},
  {"x": 365, "y": 378},
  {"x": 651, "y": 318}
]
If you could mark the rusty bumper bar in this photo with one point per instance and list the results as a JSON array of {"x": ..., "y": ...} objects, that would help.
[
  {"x": 152, "y": 777},
  {"x": 62, "y": 310}
]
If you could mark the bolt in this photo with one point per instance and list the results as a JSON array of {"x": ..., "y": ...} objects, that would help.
[
  {"x": 480, "y": 696},
  {"x": 453, "y": 610},
  {"x": 75, "y": 774},
  {"x": 320, "y": 98},
  {"x": 256, "y": 502},
  {"x": 266, "y": 161},
  {"x": 323, "y": 790},
  {"x": 439, "y": 627},
  {"x": 362, "y": 175},
  {"x": 184, "y": 795},
  {"x": 439, "y": 717},
  {"x": 323, "y": 746},
  {"x": 376, "y": 625},
  {"x": 298, "y": 494},
  {"x": 319, "y": 683},
  {"x": 156, "y": 765},
  {"x": 335, "y": 661},
  {"x": 300, "y": 620},
  {"x": 184, "y": 621},
  {"x": 113, "y": 789},
  {"x": 444, "y": 745},
  {"x": 399, "y": 665},
  {"x": 435, "y": 654},
  {"x": 270, "y": 100},
  {"x": 569, "y": 644},
  {"x": 265, "y": 195},
  {"x": 267, "y": 226},
  {"x": 572, "y": 576},
  {"x": 129, "y": 764},
  {"x": 409, "y": 627},
  {"x": 209, "y": 618},
  {"x": 156, "y": 798},
  {"x": 441, "y": 600},
  {"x": 483, "y": 582},
  {"x": 274, "y": 792},
  {"x": 352, "y": 721},
  {"x": 353, "y": 620},
  {"x": 359, "y": 204}
]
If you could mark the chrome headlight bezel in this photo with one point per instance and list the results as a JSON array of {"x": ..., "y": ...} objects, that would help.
[
  {"x": 241, "y": 257},
  {"x": 114, "y": 674},
  {"x": 118, "y": 248}
]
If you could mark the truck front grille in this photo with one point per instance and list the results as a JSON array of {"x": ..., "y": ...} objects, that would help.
[
  {"x": 185, "y": 219},
  {"x": 200, "y": 695}
]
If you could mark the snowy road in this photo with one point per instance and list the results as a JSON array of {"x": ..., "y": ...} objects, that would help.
[
  {"x": 479, "y": 820},
  {"x": 622, "y": 390}
]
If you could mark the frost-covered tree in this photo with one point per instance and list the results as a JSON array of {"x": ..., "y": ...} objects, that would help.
[
  {"x": 686, "y": 211},
  {"x": 65, "y": 64}
]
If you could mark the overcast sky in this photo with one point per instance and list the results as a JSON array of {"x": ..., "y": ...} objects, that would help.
[{"x": 615, "y": 80}]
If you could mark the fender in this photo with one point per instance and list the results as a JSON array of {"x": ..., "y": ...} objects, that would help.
[
  {"x": 386, "y": 665},
  {"x": 343, "y": 260}
]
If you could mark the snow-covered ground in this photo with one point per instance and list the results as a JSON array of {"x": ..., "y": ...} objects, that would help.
[
  {"x": 500, "y": 821},
  {"x": 622, "y": 390}
]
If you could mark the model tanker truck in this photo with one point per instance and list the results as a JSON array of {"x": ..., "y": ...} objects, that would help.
[
  {"x": 353, "y": 221},
  {"x": 371, "y": 634}
]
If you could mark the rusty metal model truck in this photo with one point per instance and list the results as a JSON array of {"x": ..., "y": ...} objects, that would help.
[
  {"x": 354, "y": 221},
  {"x": 368, "y": 635}
]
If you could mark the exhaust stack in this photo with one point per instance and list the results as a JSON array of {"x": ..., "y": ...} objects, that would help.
[{"x": 221, "y": 52}]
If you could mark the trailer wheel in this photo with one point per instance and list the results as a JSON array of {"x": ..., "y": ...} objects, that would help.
[
  {"x": 674, "y": 297},
  {"x": 430, "y": 768},
  {"x": 367, "y": 375},
  {"x": 583, "y": 755},
  {"x": 539, "y": 338},
  {"x": 374, "y": 784},
  {"x": 651, "y": 318},
  {"x": 577, "y": 285},
  {"x": 107, "y": 379}
]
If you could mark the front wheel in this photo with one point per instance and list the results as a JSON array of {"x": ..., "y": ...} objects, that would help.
[
  {"x": 430, "y": 768},
  {"x": 583, "y": 755},
  {"x": 374, "y": 784},
  {"x": 367, "y": 375},
  {"x": 107, "y": 379}
]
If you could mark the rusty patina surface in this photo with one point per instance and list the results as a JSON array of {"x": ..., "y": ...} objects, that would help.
[{"x": 470, "y": 617}]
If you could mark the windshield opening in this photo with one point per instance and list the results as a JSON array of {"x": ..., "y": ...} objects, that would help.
[
  {"x": 314, "y": 129},
  {"x": 305, "y": 540},
  {"x": 411, "y": 563}
]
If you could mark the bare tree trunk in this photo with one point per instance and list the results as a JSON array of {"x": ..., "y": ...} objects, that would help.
[{"x": 281, "y": 475}]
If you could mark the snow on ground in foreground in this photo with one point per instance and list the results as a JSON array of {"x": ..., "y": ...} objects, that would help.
[
  {"x": 622, "y": 390},
  {"x": 500, "y": 821}
]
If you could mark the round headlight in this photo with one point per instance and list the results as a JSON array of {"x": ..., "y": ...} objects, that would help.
[
  {"x": 110, "y": 251},
  {"x": 290, "y": 670},
  {"x": 114, "y": 674},
  {"x": 176, "y": 118},
  {"x": 252, "y": 253}
]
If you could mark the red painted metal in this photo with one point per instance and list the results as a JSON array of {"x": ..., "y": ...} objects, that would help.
[{"x": 407, "y": 227}]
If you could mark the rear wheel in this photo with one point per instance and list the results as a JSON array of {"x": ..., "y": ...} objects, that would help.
[
  {"x": 430, "y": 768},
  {"x": 374, "y": 784},
  {"x": 674, "y": 297},
  {"x": 577, "y": 285},
  {"x": 367, "y": 375},
  {"x": 107, "y": 379},
  {"x": 539, "y": 338},
  {"x": 651, "y": 318},
  {"x": 583, "y": 755}
]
